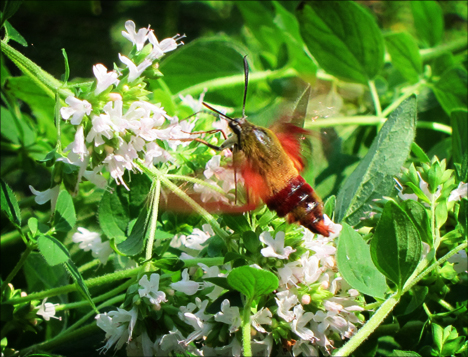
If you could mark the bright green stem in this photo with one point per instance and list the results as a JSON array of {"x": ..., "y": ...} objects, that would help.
[
  {"x": 154, "y": 173},
  {"x": 155, "y": 193},
  {"x": 230, "y": 81},
  {"x": 375, "y": 98},
  {"x": 369, "y": 327},
  {"x": 371, "y": 120},
  {"x": 408, "y": 93},
  {"x": 246, "y": 329},
  {"x": 454, "y": 46},
  {"x": 44, "y": 80},
  {"x": 17, "y": 268},
  {"x": 108, "y": 278},
  {"x": 195, "y": 180}
]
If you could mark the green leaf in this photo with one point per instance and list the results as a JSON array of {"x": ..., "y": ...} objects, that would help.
[
  {"x": 459, "y": 120},
  {"x": 118, "y": 208},
  {"x": 251, "y": 241},
  {"x": 79, "y": 281},
  {"x": 329, "y": 206},
  {"x": 10, "y": 204},
  {"x": 373, "y": 177},
  {"x": 135, "y": 243},
  {"x": 67, "y": 67},
  {"x": 252, "y": 282},
  {"x": 419, "y": 152},
  {"x": 238, "y": 223},
  {"x": 420, "y": 217},
  {"x": 441, "y": 213},
  {"x": 411, "y": 300},
  {"x": 451, "y": 90},
  {"x": 42, "y": 106},
  {"x": 404, "y": 52},
  {"x": 15, "y": 130},
  {"x": 428, "y": 22},
  {"x": 53, "y": 251},
  {"x": 192, "y": 65},
  {"x": 396, "y": 245},
  {"x": 41, "y": 276},
  {"x": 9, "y": 9},
  {"x": 343, "y": 38},
  {"x": 15, "y": 35},
  {"x": 356, "y": 266},
  {"x": 64, "y": 215}
]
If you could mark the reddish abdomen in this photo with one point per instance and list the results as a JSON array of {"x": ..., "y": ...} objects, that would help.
[{"x": 299, "y": 201}]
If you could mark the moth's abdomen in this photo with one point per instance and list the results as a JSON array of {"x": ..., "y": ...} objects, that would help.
[{"x": 299, "y": 201}]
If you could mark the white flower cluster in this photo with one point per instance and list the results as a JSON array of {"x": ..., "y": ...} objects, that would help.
[
  {"x": 133, "y": 127},
  {"x": 310, "y": 280}
]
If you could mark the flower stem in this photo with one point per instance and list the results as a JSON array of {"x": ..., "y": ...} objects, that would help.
[
  {"x": 246, "y": 329},
  {"x": 375, "y": 98},
  {"x": 369, "y": 327},
  {"x": 154, "y": 173},
  {"x": 207, "y": 261},
  {"x": 108, "y": 278},
  {"x": 230, "y": 81},
  {"x": 43, "y": 80},
  {"x": 155, "y": 193}
]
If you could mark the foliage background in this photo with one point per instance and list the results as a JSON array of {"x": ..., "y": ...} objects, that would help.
[{"x": 90, "y": 33}]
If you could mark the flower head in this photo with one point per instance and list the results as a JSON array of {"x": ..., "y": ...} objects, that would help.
[
  {"x": 76, "y": 110},
  {"x": 47, "y": 310},
  {"x": 150, "y": 289},
  {"x": 137, "y": 38},
  {"x": 276, "y": 248}
]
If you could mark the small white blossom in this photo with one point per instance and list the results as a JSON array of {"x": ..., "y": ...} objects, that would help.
[
  {"x": 78, "y": 146},
  {"x": 135, "y": 71},
  {"x": 276, "y": 248},
  {"x": 151, "y": 289},
  {"x": 160, "y": 48},
  {"x": 92, "y": 241},
  {"x": 104, "y": 79},
  {"x": 186, "y": 285},
  {"x": 137, "y": 38},
  {"x": 298, "y": 325},
  {"x": 196, "y": 239},
  {"x": 229, "y": 315},
  {"x": 47, "y": 310},
  {"x": 195, "y": 105},
  {"x": 101, "y": 127},
  {"x": 211, "y": 272},
  {"x": 286, "y": 300},
  {"x": 116, "y": 166},
  {"x": 118, "y": 326},
  {"x": 305, "y": 348},
  {"x": 460, "y": 192},
  {"x": 95, "y": 177},
  {"x": 76, "y": 109},
  {"x": 262, "y": 317},
  {"x": 51, "y": 194},
  {"x": 173, "y": 341}
]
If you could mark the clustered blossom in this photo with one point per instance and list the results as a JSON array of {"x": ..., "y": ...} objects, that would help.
[
  {"x": 312, "y": 300},
  {"x": 125, "y": 131}
]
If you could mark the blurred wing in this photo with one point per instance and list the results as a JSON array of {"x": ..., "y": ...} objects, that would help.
[{"x": 292, "y": 136}]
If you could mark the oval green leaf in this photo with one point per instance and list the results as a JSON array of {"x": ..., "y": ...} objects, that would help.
[
  {"x": 343, "y": 38},
  {"x": 356, "y": 266},
  {"x": 373, "y": 177},
  {"x": 396, "y": 245},
  {"x": 404, "y": 52},
  {"x": 252, "y": 282},
  {"x": 53, "y": 251},
  {"x": 64, "y": 215}
]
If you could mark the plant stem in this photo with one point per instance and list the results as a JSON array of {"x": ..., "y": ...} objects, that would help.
[
  {"x": 154, "y": 173},
  {"x": 408, "y": 93},
  {"x": 44, "y": 80},
  {"x": 17, "y": 267},
  {"x": 207, "y": 261},
  {"x": 454, "y": 46},
  {"x": 155, "y": 193},
  {"x": 371, "y": 120},
  {"x": 246, "y": 329},
  {"x": 195, "y": 180},
  {"x": 369, "y": 327},
  {"x": 230, "y": 81},
  {"x": 108, "y": 278},
  {"x": 375, "y": 98}
]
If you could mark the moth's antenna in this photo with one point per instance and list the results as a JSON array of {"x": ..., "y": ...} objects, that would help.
[
  {"x": 246, "y": 75},
  {"x": 217, "y": 111}
]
